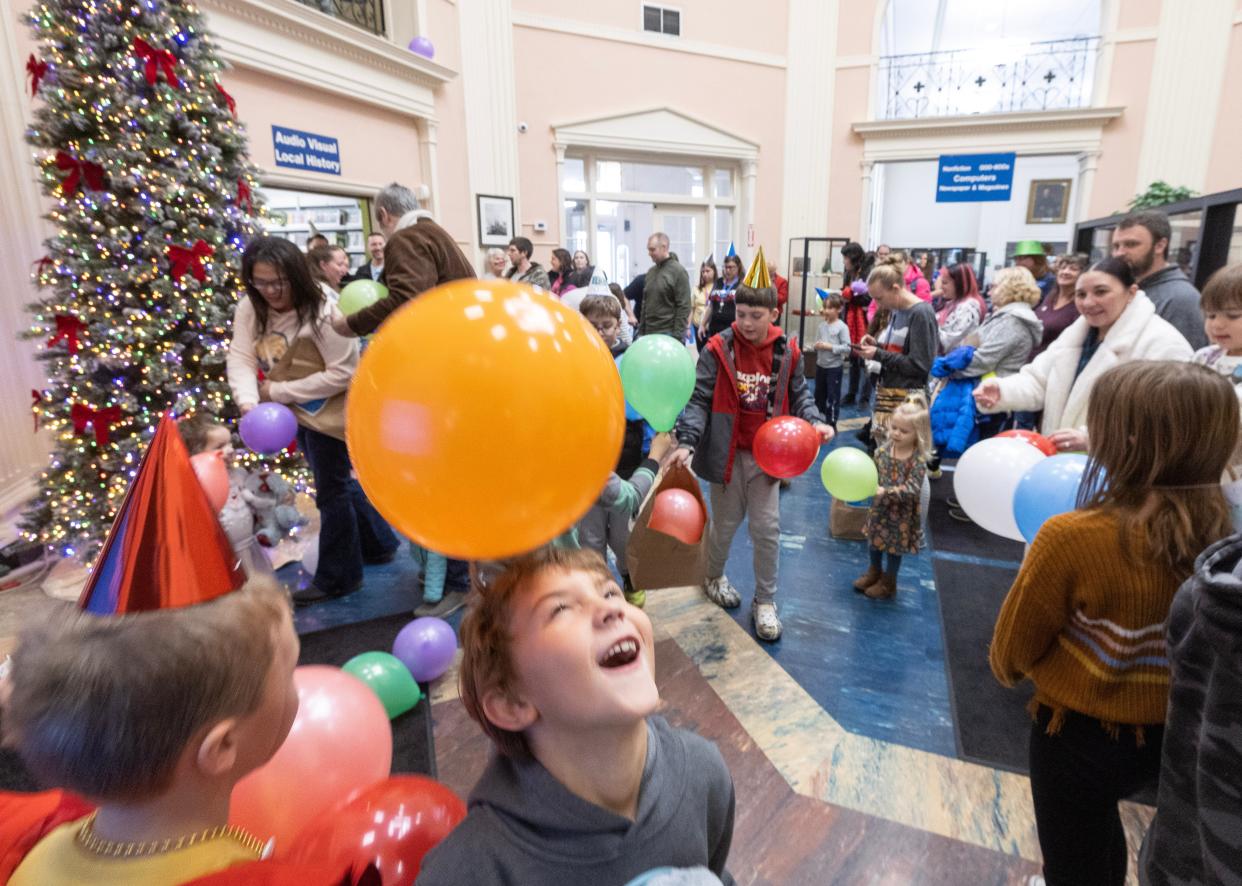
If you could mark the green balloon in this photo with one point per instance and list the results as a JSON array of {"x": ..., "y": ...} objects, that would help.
[
  {"x": 657, "y": 373},
  {"x": 849, "y": 474},
  {"x": 388, "y": 678},
  {"x": 361, "y": 294}
]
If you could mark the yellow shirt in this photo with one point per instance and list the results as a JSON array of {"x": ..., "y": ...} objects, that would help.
[{"x": 59, "y": 860}]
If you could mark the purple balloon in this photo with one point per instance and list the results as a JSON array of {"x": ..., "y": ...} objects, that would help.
[
  {"x": 422, "y": 46},
  {"x": 268, "y": 428},
  {"x": 858, "y": 287},
  {"x": 426, "y": 646}
]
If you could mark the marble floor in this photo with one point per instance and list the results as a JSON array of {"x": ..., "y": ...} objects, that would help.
[{"x": 840, "y": 736}]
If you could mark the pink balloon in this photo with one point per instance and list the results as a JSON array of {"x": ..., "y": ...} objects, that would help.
[
  {"x": 213, "y": 476},
  {"x": 678, "y": 513},
  {"x": 340, "y": 742}
]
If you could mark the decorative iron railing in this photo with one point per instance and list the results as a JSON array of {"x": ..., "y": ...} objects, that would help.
[
  {"x": 366, "y": 14},
  {"x": 1042, "y": 76}
]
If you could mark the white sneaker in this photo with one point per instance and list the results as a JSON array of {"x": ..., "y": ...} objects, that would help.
[
  {"x": 767, "y": 622},
  {"x": 721, "y": 592}
]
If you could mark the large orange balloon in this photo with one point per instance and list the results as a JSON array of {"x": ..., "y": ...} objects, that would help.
[
  {"x": 484, "y": 419},
  {"x": 340, "y": 742}
]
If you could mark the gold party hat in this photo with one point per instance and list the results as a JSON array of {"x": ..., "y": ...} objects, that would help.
[{"x": 757, "y": 277}]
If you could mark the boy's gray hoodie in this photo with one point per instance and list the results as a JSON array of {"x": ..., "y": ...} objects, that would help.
[
  {"x": 525, "y": 828},
  {"x": 1196, "y": 836}
]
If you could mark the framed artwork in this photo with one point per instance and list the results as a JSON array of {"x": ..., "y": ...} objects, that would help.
[
  {"x": 1048, "y": 203},
  {"x": 496, "y": 226}
]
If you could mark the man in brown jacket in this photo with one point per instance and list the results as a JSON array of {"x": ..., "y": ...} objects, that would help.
[{"x": 419, "y": 256}]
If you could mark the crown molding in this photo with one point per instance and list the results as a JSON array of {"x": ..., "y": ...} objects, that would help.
[
  {"x": 286, "y": 39},
  {"x": 1020, "y": 121}
]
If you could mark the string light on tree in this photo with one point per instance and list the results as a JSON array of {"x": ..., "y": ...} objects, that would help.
[{"x": 152, "y": 194}]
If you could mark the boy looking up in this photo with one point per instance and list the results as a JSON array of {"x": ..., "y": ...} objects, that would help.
[
  {"x": 588, "y": 785},
  {"x": 746, "y": 375}
]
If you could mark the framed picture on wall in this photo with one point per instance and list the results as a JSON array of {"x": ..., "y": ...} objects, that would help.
[
  {"x": 496, "y": 226},
  {"x": 1048, "y": 203}
]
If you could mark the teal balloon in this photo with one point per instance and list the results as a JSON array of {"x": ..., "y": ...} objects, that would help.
[
  {"x": 361, "y": 294},
  {"x": 388, "y": 678},
  {"x": 657, "y": 374},
  {"x": 849, "y": 474}
]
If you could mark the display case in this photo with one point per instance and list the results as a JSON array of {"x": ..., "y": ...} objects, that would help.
[
  {"x": 295, "y": 215},
  {"x": 814, "y": 262}
]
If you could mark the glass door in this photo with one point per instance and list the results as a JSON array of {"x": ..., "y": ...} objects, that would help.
[{"x": 687, "y": 231}]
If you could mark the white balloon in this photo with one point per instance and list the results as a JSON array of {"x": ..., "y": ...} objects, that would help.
[
  {"x": 310, "y": 556},
  {"x": 986, "y": 479}
]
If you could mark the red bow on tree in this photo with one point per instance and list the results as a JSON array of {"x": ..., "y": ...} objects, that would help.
[
  {"x": 79, "y": 170},
  {"x": 156, "y": 59},
  {"x": 191, "y": 259},
  {"x": 228, "y": 99},
  {"x": 42, "y": 265},
  {"x": 100, "y": 420},
  {"x": 68, "y": 328},
  {"x": 36, "y": 71},
  {"x": 35, "y": 399},
  {"x": 243, "y": 195}
]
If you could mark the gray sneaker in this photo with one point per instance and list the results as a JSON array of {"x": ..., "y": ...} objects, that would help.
[
  {"x": 721, "y": 592},
  {"x": 767, "y": 622},
  {"x": 442, "y": 608}
]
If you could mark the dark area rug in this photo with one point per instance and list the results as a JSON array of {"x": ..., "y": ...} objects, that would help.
[
  {"x": 412, "y": 749},
  {"x": 991, "y": 721}
]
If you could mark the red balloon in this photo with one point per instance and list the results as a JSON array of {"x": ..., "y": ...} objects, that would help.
[
  {"x": 340, "y": 742},
  {"x": 391, "y": 825},
  {"x": 786, "y": 446},
  {"x": 213, "y": 476},
  {"x": 1039, "y": 441},
  {"x": 678, "y": 513}
]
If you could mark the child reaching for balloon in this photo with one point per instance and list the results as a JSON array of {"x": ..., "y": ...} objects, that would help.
[{"x": 895, "y": 524}]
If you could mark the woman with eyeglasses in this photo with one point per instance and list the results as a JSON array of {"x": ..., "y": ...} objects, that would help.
[{"x": 282, "y": 328}]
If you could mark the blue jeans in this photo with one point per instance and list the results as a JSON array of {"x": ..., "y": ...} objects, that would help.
[
  {"x": 350, "y": 528},
  {"x": 828, "y": 392}
]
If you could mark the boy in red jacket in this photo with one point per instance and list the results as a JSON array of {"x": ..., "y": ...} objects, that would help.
[{"x": 746, "y": 375}]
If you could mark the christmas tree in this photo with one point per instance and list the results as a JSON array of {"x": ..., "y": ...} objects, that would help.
[{"x": 145, "y": 165}]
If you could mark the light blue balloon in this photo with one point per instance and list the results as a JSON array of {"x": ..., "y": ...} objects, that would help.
[{"x": 1048, "y": 488}]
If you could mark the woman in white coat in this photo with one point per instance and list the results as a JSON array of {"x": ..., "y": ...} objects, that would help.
[{"x": 1118, "y": 325}]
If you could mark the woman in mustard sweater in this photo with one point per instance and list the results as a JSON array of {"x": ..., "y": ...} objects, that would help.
[{"x": 1085, "y": 618}]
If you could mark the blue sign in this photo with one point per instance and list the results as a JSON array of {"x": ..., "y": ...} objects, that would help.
[
  {"x": 305, "y": 150},
  {"x": 974, "y": 178}
]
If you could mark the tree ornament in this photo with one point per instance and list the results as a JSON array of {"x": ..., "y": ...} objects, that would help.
[
  {"x": 36, "y": 70},
  {"x": 79, "y": 171},
  {"x": 157, "y": 59},
  {"x": 189, "y": 259},
  {"x": 99, "y": 420},
  {"x": 68, "y": 328}
]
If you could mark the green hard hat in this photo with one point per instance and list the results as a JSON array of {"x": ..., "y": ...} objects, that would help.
[{"x": 1029, "y": 247}]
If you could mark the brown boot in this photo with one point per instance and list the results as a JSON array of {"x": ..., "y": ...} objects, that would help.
[
  {"x": 867, "y": 579},
  {"x": 883, "y": 589}
]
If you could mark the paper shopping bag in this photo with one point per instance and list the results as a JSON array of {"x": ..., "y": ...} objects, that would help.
[{"x": 657, "y": 560}]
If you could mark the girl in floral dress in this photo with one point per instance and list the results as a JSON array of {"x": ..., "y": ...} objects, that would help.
[{"x": 895, "y": 523}]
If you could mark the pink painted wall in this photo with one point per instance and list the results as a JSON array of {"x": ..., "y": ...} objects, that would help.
[
  {"x": 377, "y": 146},
  {"x": 1138, "y": 13},
  {"x": 856, "y": 31},
  {"x": 453, "y": 172},
  {"x": 1225, "y": 165},
  {"x": 742, "y": 23},
  {"x": 748, "y": 100},
  {"x": 1128, "y": 87}
]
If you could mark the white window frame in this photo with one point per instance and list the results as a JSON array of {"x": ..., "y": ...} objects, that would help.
[
  {"x": 710, "y": 202},
  {"x": 642, "y": 19}
]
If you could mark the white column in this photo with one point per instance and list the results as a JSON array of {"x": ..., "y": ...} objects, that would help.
[
  {"x": 1088, "y": 162},
  {"x": 427, "y": 146},
  {"x": 866, "y": 210},
  {"x": 558, "y": 224},
  {"x": 810, "y": 80},
  {"x": 486, "y": 28},
  {"x": 22, "y": 230},
  {"x": 750, "y": 172},
  {"x": 1187, "y": 77}
]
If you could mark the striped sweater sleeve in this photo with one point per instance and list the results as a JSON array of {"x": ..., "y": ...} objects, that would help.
[
  {"x": 626, "y": 496},
  {"x": 1036, "y": 609}
]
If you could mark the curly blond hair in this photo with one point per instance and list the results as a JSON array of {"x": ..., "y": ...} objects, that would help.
[{"x": 1014, "y": 284}]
